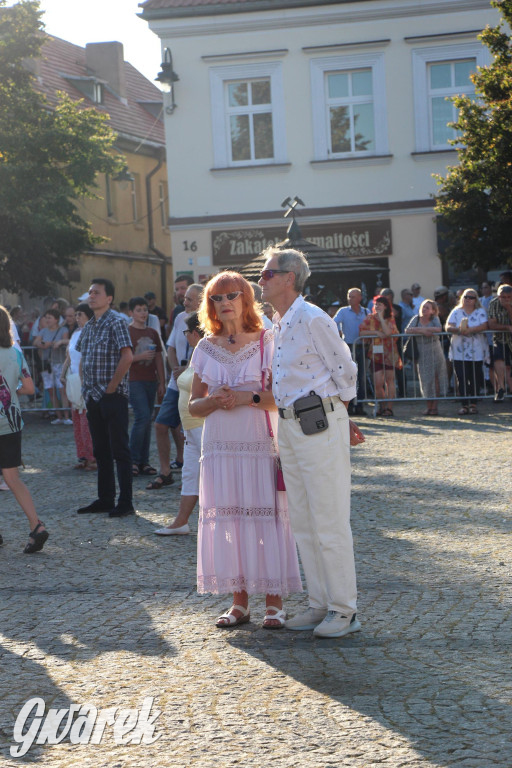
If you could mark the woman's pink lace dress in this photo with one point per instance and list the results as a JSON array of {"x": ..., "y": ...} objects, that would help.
[{"x": 245, "y": 541}]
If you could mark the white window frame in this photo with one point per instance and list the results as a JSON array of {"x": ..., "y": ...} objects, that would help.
[
  {"x": 421, "y": 58},
  {"x": 220, "y": 119},
  {"x": 318, "y": 70}
]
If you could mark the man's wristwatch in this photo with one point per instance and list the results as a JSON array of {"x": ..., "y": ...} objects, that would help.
[{"x": 255, "y": 399}]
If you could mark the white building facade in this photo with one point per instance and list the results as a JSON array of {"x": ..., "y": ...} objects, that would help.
[{"x": 341, "y": 103}]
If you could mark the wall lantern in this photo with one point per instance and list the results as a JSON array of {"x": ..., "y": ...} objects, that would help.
[{"x": 167, "y": 77}]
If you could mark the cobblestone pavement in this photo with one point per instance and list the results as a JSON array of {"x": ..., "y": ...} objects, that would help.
[{"x": 108, "y": 614}]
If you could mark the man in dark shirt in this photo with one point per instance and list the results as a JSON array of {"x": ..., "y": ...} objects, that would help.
[
  {"x": 106, "y": 350},
  {"x": 150, "y": 297},
  {"x": 181, "y": 285}
]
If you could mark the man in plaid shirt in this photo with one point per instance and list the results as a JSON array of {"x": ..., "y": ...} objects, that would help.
[{"x": 106, "y": 350}]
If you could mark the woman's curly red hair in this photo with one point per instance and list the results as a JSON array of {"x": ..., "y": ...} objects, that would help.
[{"x": 226, "y": 282}]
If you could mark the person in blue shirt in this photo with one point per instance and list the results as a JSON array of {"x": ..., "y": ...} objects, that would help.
[
  {"x": 408, "y": 310},
  {"x": 348, "y": 319}
]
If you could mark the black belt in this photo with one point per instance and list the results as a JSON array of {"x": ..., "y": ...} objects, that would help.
[{"x": 329, "y": 404}]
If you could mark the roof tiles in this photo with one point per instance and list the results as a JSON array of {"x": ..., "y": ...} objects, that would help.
[{"x": 61, "y": 58}]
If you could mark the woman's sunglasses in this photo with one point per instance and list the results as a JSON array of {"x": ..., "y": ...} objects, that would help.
[{"x": 229, "y": 296}]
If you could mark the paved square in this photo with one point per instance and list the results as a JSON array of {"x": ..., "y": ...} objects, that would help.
[{"x": 108, "y": 614}]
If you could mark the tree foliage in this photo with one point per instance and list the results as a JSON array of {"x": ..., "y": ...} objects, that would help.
[
  {"x": 475, "y": 200},
  {"x": 49, "y": 157}
]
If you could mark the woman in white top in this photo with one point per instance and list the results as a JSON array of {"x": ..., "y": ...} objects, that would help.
[
  {"x": 468, "y": 347},
  {"x": 71, "y": 380},
  {"x": 193, "y": 429}
]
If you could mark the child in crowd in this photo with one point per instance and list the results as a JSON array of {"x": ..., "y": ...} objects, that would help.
[
  {"x": 147, "y": 377},
  {"x": 15, "y": 379}
]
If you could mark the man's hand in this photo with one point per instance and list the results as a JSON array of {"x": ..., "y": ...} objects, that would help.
[
  {"x": 178, "y": 370},
  {"x": 356, "y": 436}
]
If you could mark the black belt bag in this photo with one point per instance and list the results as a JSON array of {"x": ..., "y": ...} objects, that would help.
[{"x": 311, "y": 414}]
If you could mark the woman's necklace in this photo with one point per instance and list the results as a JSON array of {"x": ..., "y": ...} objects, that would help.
[{"x": 231, "y": 339}]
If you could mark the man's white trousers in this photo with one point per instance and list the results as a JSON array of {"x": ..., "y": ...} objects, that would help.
[{"x": 317, "y": 476}]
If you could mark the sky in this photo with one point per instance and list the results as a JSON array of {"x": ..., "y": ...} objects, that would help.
[{"x": 98, "y": 21}]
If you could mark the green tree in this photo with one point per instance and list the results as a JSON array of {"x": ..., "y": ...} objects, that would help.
[
  {"x": 475, "y": 200},
  {"x": 49, "y": 157}
]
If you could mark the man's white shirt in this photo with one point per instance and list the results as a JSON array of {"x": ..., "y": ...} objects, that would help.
[{"x": 310, "y": 355}]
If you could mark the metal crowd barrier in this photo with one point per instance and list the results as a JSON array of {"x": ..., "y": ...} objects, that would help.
[
  {"x": 407, "y": 379},
  {"x": 414, "y": 365}
]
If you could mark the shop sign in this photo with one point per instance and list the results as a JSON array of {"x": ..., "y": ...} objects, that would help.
[{"x": 236, "y": 247}]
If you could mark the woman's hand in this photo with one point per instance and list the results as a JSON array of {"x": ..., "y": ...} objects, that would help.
[
  {"x": 224, "y": 397},
  {"x": 356, "y": 436}
]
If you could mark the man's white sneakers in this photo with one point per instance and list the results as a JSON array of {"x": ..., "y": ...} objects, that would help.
[
  {"x": 330, "y": 624},
  {"x": 307, "y": 620},
  {"x": 336, "y": 624}
]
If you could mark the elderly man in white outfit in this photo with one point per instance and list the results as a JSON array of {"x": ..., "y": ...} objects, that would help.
[{"x": 310, "y": 355}]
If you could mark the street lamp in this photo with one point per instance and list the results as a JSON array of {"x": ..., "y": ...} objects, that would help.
[{"x": 167, "y": 77}]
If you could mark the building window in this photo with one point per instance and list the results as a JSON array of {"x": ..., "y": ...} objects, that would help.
[
  {"x": 109, "y": 197},
  {"x": 97, "y": 93},
  {"x": 248, "y": 114},
  {"x": 349, "y": 106},
  {"x": 440, "y": 73},
  {"x": 249, "y": 110},
  {"x": 133, "y": 185},
  {"x": 447, "y": 79},
  {"x": 350, "y": 111}
]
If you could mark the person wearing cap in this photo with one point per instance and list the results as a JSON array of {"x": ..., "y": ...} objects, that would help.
[
  {"x": 407, "y": 307},
  {"x": 417, "y": 300},
  {"x": 150, "y": 297}
]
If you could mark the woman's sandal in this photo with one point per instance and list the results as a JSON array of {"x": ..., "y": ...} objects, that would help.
[
  {"x": 387, "y": 412},
  {"x": 38, "y": 539},
  {"x": 82, "y": 463},
  {"x": 176, "y": 466},
  {"x": 135, "y": 470},
  {"x": 280, "y": 616},
  {"x": 147, "y": 469},
  {"x": 463, "y": 411},
  {"x": 159, "y": 482},
  {"x": 473, "y": 409},
  {"x": 90, "y": 466},
  {"x": 228, "y": 619}
]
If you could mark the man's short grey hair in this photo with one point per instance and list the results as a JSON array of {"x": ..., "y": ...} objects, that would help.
[
  {"x": 198, "y": 287},
  {"x": 291, "y": 260},
  {"x": 504, "y": 289},
  {"x": 353, "y": 289}
]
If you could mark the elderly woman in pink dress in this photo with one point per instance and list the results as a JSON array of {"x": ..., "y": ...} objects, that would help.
[{"x": 245, "y": 543}]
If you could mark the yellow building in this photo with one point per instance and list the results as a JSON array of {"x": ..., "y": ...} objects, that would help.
[{"x": 132, "y": 209}]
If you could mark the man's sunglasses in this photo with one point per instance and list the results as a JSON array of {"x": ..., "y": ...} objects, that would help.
[
  {"x": 229, "y": 296},
  {"x": 268, "y": 274}
]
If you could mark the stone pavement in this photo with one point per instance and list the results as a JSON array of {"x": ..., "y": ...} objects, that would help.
[{"x": 108, "y": 614}]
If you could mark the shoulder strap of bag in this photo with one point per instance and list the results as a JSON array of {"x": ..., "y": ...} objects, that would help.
[{"x": 271, "y": 433}]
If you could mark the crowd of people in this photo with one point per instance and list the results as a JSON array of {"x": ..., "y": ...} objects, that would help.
[
  {"x": 456, "y": 343},
  {"x": 259, "y": 413}
]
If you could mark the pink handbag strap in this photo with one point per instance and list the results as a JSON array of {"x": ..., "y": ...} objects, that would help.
[{"x": 271, "y": 433}]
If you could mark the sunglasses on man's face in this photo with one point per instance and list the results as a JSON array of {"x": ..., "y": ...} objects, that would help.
[
  {"x": 229, "y": 296},
  {"x": 268, "y": 274}
]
